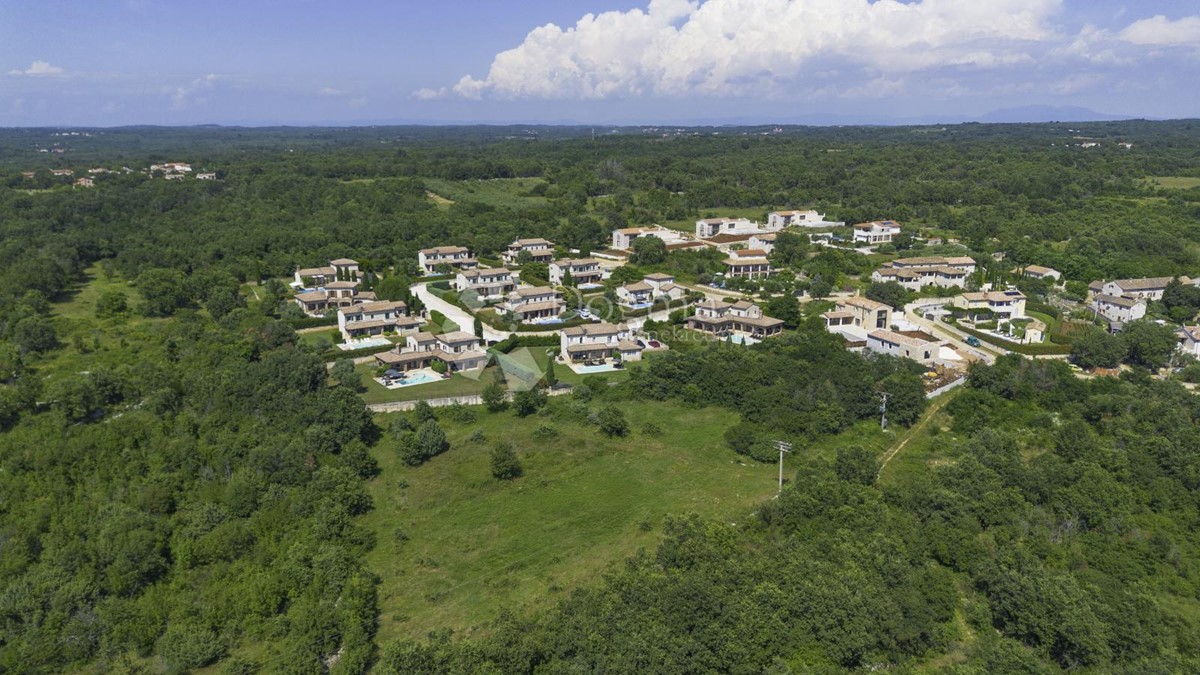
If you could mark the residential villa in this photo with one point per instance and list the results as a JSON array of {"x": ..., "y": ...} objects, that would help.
[
  {"x": 85, "y": 182},
  {"x": 598, "y": 341},
  {"x": 1118, "y": 310},
  {"x": 171, "y": 167},
  {"x": 539, "y": 250},
  {"x": 862, "y": 313},
  {"x": 346, "y": 267},
  {"x": 489, "y": 283},
  {"x": 915, "y": 273},
  {"x": 455, "y": 257},
  {"x": 333, "y": 295},
  {"x": 1000, "y": 305},
  {"x": 777, "y": 220},
  {"x": 62, "y": 172},
  {"x": 727, "y": 318},
  {"x": 706, "y": 228},
  {"x": 1189, "y": 340},
  {"x": 376, "y": 318},
  {"x": 636, "y": 295},
  {"x": 622, "y": 240},
  {"x": 910, "y": 345},
  {"x": 583, "y": 271},
  {"x": 206, "y": 176},
  {"x": 1144, "y": 289},
  {"x": 317, "y": 277},
  {"x": 530, "y": 304},
  {"x": 749, "y": 263},
  {"x": 763, "y": 242},
  {"x": 1038, "y": 272},
  {"x": 664, "y": 284},
  {"x": 458, "y": 350},
  {"x": 876, "y": 232}
]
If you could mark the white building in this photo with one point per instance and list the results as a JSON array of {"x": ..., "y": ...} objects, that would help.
[
  {"x": 859, "y": 312},
  {"x": 376, "y": 318},
  {"x": 1038, "y": 272},
  {"x": 489, "y": 283},
  {"x": 777, "y": 220},
  {"x": 1145, "y": 289},
  {"x": 456, "y": 257},
  {"x": 711, "y": 227},
  {"x": 1117, "y": 309},
  {"x": 530, "y": 304},
  {"x": 749, "y": 263},
  {"x": 597, "y": 342},
  {"x": 876, "y": 232},
  {"x": 1189, "y": 340},
  {"x": 539, "y": 250},
  {"x": 664, "y": 285},
  {"x": 583, "y": 271},
  {"x": 622, "y": 240},
  {"x": 1002, "y": 305},
  {"x": 763, "y": 242},
  {"x": 881, "y": 341},
  {"x": 916, "y": 273}
]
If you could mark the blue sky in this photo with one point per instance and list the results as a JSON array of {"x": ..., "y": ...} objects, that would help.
[{"x": 108, "y": 62}]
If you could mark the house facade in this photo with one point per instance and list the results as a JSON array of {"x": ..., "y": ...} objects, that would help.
[
  {"x": 707, "y": 228},
  {"x": 583, "y": 271},
  {"x": 664, "y": 285},
  {"x": 763, "y": 242},
  {"x": 456, "y": 257},
  {"x": 489, "y": 283},
  {"x": 777, "y": 220},
  {"x": 1144, "y": 289},
  {"x": 742, "y": 317},
  {"x": 1117, "y": 309},
  {"x": 863, "y": 313},
  {"x": 1038, "y": 272},
  {"x": 458, "y": 350},
  {"x": 346, "y": 267},
  {"x": 1002, "y": 305},
  {"x": 538, "y": 250},
  {"x": 376, "y": 318},
  {"x": 530, "y": 304},
  {"x": 908, "y": 346},
  {"x": 622, "y": 239},
  {"x": 333, "y": 295},
  {"x": 598, "y": 341},
  {"x": 876, "y": 232},
  {"x": 748, "y": 263},
  {"x": 916, "y": 273},
  {"x": 1189, "y": 340}
]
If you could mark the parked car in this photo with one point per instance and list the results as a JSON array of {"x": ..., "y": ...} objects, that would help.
[
  {"x": 655, "y": 344},
  {"x": 973, "y": 341}
]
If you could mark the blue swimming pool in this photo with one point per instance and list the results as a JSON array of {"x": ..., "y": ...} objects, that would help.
[
  {"x": 587, "y": 370},
  {"x": 364, "y": 343},
  {"x": 412, "y": 380}
]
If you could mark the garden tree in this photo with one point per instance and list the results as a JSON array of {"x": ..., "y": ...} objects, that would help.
[
  {"x": 343, "y": 371},
  {"x": 648, "y": 251},
  {"x": 1148, "y": 344},
  {"x": 1076, "y": 290},
  {"x": 549, "y": 378},
  {"x": 611, "y": 421},
  {"x": 889, "y": 293},
  {"x": 790, "y": 249},
  {"x": 535, "y": 273},
  {"x": 820, "y": 288},
  {"x": 111, "y": 303},
  {"x": 626, "y": 274},
  {"x": 528, "y": 401},
  {"x": 393, "y": 288},
  {"x": 506, "y": 465},
  {"x": 906, "y": 398},
  {"x": 35, "y": 334},
  {"x": 426, "y": 442},
  {"x": 856, "y": 465},
  {"x": 478, "y": 327},
  {"x": 785, "y": 308},
  {"x": 1182, "y": 301},
  {"x": 567, "y": 280},
  {"x": 493, "y": 396},
  {"x": 422, "y": 412},
  {"x": 1097, "y": 348},
  {"x": 163, "y": 291}
]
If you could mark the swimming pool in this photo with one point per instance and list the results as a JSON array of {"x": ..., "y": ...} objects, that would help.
[
  {"x": 412, "y": 380},
  {"x": 587, "y": 370},
  {"x": 363, "y": 344}
]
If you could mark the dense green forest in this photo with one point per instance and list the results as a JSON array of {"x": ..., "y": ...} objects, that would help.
[{"x": 182, "y": 485}]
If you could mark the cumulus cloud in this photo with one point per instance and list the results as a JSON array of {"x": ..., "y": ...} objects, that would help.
[
  {"x": 428, "y": 94},
  {"x": 1159, "y": 30},
  {"x": 39, "y": 69},
  {"x": 189, "y": 94},
  {"x": 330, "y": 91},
  {"x": 744, "y": 47}
]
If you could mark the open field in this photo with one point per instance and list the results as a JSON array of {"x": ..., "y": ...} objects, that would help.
[
  {"x": 1175, "y": 182},
  {"x": 501, "y": 192},
  {"x": 475, "y": 544}
]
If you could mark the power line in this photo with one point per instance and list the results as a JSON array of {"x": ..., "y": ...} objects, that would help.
[
  {"x": 782, "y": 446},
  {"x": 883, "y": 411}
]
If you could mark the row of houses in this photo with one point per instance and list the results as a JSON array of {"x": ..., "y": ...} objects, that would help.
[{"x": 916, "y": 273}]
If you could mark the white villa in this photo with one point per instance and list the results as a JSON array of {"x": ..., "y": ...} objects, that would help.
[
  {"x": 861, "y": 314},
  {"x": 910, "y": 346},
  {"x": 1038, "y": 272},
  {"x": 598, "y": 341},
  {"x": 458, "y": 350},
  {"x": 1144, "y": 289},
  {"x": 876, "y": 232},
  {"x": 1117, "y": 309},
  {"x": 583, "y": 271},
  {"x": 750, "y": 263},
  {"x": 915, "y": 273},
  {"x": 649, "y": 289},
  {"x": 622, "y": 240},
  {"x": 1002, "y": 305},
  {"x": 456, "y": 257},
  {"x": 528, "y": 304},
  {"x": 706, "y": 228},
  {"x": 1189, "y": 340},
  {"x": 489, "y": 283},
  {"x": 376, "y": 318},
  {"x": 539, "y": 250},
  {"x": 777, "y": 220},
  {"x": 725, "y": 318},
  {"x": 763, "y": 242}
]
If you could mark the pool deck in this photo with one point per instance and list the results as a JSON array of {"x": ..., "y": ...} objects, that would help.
[{"x": 412, "y": 374}]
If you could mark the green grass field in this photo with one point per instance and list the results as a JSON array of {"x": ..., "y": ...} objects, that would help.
[
  {"x": 475, "y": 544},
  {"x": 1175, "y": 182},
  {"x": 499, "y": 192}
]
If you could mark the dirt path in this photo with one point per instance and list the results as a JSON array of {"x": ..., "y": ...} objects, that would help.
[{"x": 915, "y": 429}]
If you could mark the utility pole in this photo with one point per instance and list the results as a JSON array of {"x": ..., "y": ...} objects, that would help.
[
  {"x": 783, "y": 447},
  {"x": 883, "y": 411}
]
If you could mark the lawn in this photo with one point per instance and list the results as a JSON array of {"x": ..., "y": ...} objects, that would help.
[
  {"x": 472, "y": 545},
  {"x": 1175, "y": 182},
  {"x": 80, "y": 302},
  {"x": 499, "y": 192}
]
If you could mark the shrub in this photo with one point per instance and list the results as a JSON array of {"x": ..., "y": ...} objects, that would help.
[
  {"x": 189, "y": 645},
  {"x": 612, "y": 421},
  {"x": 505, "y": 463},
  {"x": 545, "y": 432}
]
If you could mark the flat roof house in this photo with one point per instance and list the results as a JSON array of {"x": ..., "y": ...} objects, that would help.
[
  {"x": 777, "y": 220},
  {"x": 741, "y": 317},
  {"x": 583, "y": 271},
  {"x": 488, "y": 283},
  {"x": 876, "y": 232},
  {"x": 598, "y": 341},
  {"x": 538, "y": 250},
  {"x": 530, "y": 304},
  {"x": 749, "y": 263},
  {"x": 622, "y": 239},
  {"x": 710, "y": 227},
  {"x": 456, "y": 257}
]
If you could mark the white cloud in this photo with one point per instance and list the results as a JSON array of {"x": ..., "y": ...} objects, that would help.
[
  {"x": 1159, "y": 30},
  {"x": 760, "y": 47},
  {"x": 185, "y": 95},
  {"x": 428, "y": 94},
  {"x": 39, "y": 69},
  {"x": 330, "y": 91}
]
